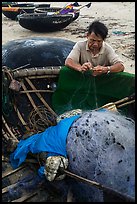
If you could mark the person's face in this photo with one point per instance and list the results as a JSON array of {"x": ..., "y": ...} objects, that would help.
[{"x": 94, "y": 41}]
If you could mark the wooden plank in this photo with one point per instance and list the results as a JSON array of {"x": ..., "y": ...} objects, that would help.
[
  {"x": 25, "y": 197},
  {"x": 5, "y": 174},
  {"x": 34, "y": 91}
]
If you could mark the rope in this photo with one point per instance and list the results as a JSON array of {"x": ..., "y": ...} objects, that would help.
[{"x": 41, "y": 123}]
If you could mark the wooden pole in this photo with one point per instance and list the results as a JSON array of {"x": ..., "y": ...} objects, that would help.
[
  {"x": 40, "y": 97},
  {"x": 98, "y": 185},
  {"x": 31, "y": 100},
  {"x": 21, "y": 118}
]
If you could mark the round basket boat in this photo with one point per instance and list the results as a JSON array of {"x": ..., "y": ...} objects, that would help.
[
  {"x": 11, "y": 10},
  {"x": 35, "y": 57},
  {"x": 37, "y": 64},
  {"x": 15, "y": 9},
  {"x": 52, "y": 10},
  {"x": 45, "y": 5},
  {"x": 42, "y": 22},
  {"x": 41, "y": 59}
]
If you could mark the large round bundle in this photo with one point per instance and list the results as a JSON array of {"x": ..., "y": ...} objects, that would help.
[
  {"x": 37, "y": 52},
  {"x": 101, "y": 147}
]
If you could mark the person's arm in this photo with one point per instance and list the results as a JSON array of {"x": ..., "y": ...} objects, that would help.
[
  {"x": 118, "y": 67},
  {"x": 70, "y": 63},
  {"x": 115, "y": 64},
  {"x": 73, "y": 59},
  {"x": 76, "y": 66}
]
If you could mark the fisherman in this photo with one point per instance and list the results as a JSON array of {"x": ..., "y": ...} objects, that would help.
[{"x": 94, "y": 53}]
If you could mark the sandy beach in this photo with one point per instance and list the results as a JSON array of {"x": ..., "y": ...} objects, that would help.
[{"x": 119, "y": 17}]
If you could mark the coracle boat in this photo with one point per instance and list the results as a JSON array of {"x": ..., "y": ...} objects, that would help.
[
  {"x": 52, "y": 10},
  {"x": 42, "y": 22},
  {"x": 12, "y": 10},
  {"x": 36, "y": 89}
]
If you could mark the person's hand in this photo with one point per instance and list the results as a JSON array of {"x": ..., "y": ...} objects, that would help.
[
  {"x": 53, "y": 163},
  {"x": 86, "y": 66},
  {"x": 98, "y": 70}
]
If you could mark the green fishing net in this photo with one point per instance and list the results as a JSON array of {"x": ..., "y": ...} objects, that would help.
[{"x": 77, "y": 90}]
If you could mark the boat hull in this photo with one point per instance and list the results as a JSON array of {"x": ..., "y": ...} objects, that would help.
[
  {"x": 44, "y": 23},
  {"x": 55, "y": 9},
  {"x": 36, "y": 52},
  {"x": 33, "y": 56},
  {"x": 11, "y": 11}
]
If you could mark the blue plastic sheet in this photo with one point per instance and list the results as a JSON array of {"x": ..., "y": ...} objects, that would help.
[{"x": 52, "y": 140}]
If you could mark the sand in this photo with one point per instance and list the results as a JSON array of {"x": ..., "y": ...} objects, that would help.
[{"x": 119, "y": 17}]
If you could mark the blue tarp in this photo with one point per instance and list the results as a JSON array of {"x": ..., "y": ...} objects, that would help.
[{"x": 52, "y": 140}]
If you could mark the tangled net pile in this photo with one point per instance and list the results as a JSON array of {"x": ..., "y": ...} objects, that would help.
[
  {"x": 101, "y": 147},
  {"x": 41, "y": 118}
]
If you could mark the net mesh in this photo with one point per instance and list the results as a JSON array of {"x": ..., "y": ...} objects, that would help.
[
  {"x": 87, "y": 92},
  {"x": 101, "y": 147}
]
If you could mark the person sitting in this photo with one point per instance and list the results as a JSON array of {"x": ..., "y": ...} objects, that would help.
[{"x": 94, "y": 53}]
